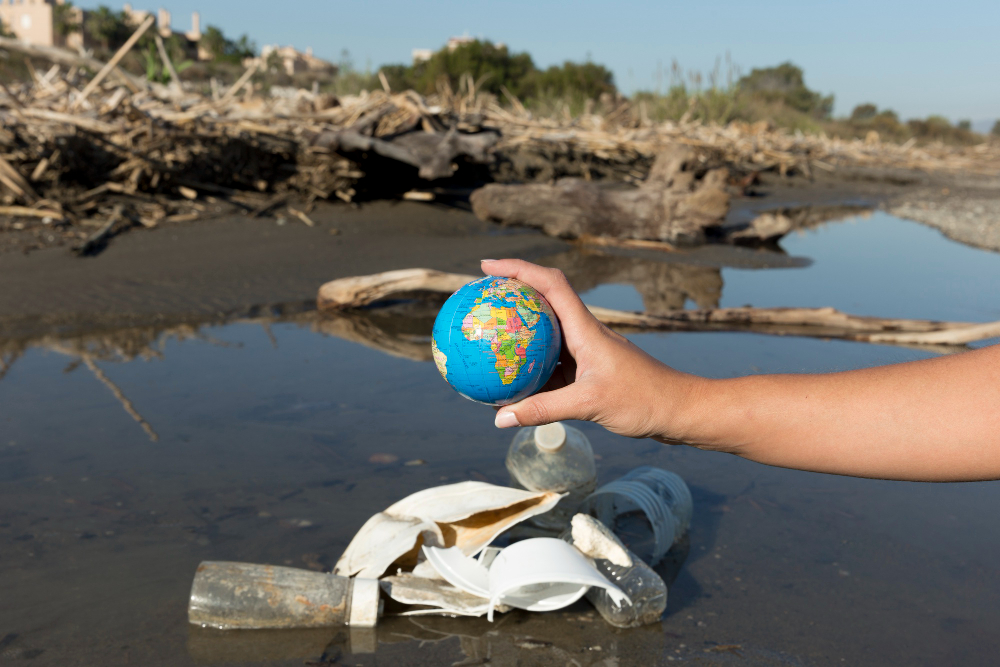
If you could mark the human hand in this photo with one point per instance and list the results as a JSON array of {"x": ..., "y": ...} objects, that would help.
[{"x": 602, "y": 376}]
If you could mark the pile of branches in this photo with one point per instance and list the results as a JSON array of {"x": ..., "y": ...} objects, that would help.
[{"x": 87, "y": 150}]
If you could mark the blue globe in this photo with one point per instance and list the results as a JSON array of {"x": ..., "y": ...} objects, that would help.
[{"x": 496, "y": 340}]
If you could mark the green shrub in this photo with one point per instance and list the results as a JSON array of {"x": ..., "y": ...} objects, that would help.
[
  {"x": 996, "y": 129},
  {"x": 786, "y": 84},
  {"x": 107, "y": 27},
  {"x": 494, "y": 68},
  {"x": 223, "y": 49}
]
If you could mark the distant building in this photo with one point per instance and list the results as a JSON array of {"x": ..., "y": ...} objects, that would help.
[
  {"x": 291, "y": 60},
  {"x": 32, "y": 21},
  {"x": 421, "y": 55},
  {"x": 455, "y": 42}
]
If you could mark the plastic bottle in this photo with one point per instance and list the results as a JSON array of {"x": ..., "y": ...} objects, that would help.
[
  {"x": 554, "y": 457},
  {"x": 228, "y": 595},
  {"x": 644, "y": 587},
  {"x": 651, "y": 506}
]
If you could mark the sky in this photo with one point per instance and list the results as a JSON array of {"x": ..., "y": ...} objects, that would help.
[{"x": 916, "y": 57}]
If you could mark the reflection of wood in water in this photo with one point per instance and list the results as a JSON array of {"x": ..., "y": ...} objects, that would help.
[{"x": 663, "y": 286}]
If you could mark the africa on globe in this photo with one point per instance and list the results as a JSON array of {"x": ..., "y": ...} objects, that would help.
[{"x": 496, "y": 340}]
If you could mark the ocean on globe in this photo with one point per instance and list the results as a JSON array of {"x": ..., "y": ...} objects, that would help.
[{"x": 496, "y": 340}]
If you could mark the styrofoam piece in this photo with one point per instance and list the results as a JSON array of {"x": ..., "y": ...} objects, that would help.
[{"x": 538, "y": 574}]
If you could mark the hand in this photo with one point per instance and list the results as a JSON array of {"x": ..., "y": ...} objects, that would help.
[{"x": 602, "y": 377}]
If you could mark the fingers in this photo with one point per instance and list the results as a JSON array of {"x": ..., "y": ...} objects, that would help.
[
  {"x": 552, "y": 284},
  {"x": 545, "y": 408}
]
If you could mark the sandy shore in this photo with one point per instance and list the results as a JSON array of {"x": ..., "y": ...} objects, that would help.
[{"x": 233, "y": 265}]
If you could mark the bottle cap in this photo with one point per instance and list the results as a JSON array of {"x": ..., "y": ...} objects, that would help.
[{"x": 550, "y": 437}]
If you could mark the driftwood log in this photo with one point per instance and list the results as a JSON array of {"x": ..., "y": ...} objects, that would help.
[
  {"x": 361, "y": 291},
  {"x": 432, "y": 153},
  {"x": 672, "y": 205}
]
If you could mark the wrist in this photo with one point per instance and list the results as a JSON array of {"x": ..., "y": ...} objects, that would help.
[{"x": 708, "y": 413}]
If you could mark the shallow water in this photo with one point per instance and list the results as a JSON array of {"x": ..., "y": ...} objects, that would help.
[{"x": 266, "y": 436}]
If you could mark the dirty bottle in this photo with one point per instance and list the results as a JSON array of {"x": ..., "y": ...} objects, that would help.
[
  {"x": 229, "y": 595},
  {"x": 646, "y": 590},
  {"x": 554, "y": 457},
  {"x": 651, "y": 505}
]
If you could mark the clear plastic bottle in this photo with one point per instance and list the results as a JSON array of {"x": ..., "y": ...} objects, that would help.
[
  {"x": 554, "y": 457},
  {"x": 651, "y": 506},
  {"x": 644, "y": 587},
  {"x": 228, "y": 595}
]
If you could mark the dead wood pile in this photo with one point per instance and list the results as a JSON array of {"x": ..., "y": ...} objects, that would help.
[
  {"x": 85, "y": 154},
  {"x": 671, "y": 205}
]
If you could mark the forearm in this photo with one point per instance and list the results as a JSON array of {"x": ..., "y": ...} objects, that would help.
[{"x": 930, "y": 420}]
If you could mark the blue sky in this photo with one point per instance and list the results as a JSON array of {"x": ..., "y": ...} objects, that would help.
[{"x": 915, "y": 57}]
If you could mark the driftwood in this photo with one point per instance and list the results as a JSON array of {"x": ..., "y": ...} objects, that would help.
[
  {"x": 361, "y": 291},
  {"x": 69, "y": 59},
  {"x": 432, "y": 153},
  {"x": 672, "y": 205}
]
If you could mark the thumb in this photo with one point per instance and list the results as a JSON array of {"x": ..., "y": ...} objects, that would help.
[{"x": 544, "y": 408}]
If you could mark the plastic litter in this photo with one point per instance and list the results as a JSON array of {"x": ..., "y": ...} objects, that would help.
[
  {"x": 554, "y": 457},
  {"x": 467, "y": 515},
  {"x": 646, "y": 590},
  {"x": 658, "y": 499},
  {"x": 228, "y": 595},
  {"x": 539, "y": 574}
]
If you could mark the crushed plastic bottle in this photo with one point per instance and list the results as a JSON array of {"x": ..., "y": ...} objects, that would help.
[
  {"x": 651, "y": 506},
  {"x": 646, "y": 590},
  {"x": 228, "y": 595},
  {"x": 644, "y": 587},
  {"x": 554, "y": 457}
]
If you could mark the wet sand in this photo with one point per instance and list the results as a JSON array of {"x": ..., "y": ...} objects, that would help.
[{"x": 267, "y": 426}]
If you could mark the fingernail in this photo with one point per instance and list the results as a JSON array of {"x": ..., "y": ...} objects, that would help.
[
  {"x": 506, "y": 420},
  {"x": 486, "y": 260}
]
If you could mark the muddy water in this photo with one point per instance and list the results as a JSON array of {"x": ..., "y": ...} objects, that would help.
[{"x": 268, "y": 433}]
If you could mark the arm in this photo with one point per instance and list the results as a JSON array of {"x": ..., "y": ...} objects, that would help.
[{"x": 934, "y": 420}]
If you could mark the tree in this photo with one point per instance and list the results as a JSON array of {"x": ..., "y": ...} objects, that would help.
[
  {"x": 965, "y": 125},
  {"x": 224, "y": 49},
  {"x": 491, "y": 65},
  {"x": 64, "y": 21},
  {"x": 107, "y": 27},
  {"x": 996, "y": 129},
  {"x": 864, "y": 112},
  {"x": 786, "y": 84},
  {"x": 588, "y": 80}
]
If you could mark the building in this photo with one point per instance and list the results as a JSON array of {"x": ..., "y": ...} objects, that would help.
[
  {"x": 30, "y": 20},
  {"x": 291, "y": 61},
  {"x": 33, "y": 21}
]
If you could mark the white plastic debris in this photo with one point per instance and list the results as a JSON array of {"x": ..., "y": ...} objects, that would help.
[
  {"x": 596, "y": 540},
  {"x": 467, "y": 515},
  {"x": 539, "y": 574}
]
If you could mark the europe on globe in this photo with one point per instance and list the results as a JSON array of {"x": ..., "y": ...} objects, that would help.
[{"x": 496, "y": 340}]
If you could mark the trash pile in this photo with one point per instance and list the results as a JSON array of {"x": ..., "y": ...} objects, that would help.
[{"x": 477, "y": 549}]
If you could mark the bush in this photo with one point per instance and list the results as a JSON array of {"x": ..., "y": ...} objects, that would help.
[
  {"x": 996, "y": 129},
  {"x": 493, "y": 67},
  {"x": 64, "y": 20},
  {"x": 223, "y": 49},
  {"x": 786, "y": 84},
  {"x": 107, "y": 27}
]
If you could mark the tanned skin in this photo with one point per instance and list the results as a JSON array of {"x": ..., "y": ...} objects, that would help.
[{"x": 931, "y": 420}]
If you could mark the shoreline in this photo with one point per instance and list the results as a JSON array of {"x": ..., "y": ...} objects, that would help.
[{"x": 232, "y": 266}]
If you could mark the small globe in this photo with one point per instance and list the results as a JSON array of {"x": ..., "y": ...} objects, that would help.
[{"x": 496, "y": 340}]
